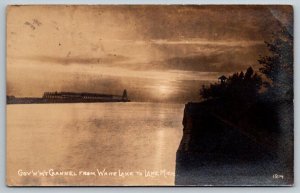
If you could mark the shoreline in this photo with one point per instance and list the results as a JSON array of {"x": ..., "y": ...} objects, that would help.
[{"x": 29, "y": 100}]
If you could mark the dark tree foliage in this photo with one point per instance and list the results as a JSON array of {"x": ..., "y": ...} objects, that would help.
[
  {"x": 277, "y": 68},
  {"x": 278, "y": 65},
  {"x": 238, "y": 86}
]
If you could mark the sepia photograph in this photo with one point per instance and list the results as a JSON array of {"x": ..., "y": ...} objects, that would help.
[{"x": 149, "y": 95}]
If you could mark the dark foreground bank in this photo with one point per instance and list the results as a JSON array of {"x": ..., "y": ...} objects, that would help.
[{"x": 228, "y": 144}]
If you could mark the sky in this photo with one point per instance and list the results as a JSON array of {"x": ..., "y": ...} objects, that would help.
[{"x": 158, "y": 53}]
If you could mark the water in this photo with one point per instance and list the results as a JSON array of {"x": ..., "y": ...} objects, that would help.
[{"x": 117, "y": 137}]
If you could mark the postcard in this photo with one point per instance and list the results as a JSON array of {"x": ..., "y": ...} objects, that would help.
[{"x": 149, "y": 95}]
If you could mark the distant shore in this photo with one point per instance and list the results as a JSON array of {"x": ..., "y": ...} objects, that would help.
[
  {"x": 69, "y": 97},
  {"x": 34, "y": 100}
]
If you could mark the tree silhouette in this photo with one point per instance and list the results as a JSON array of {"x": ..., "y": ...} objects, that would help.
[
  {"x": 238, "y": 86},
  {"x": 278, "y": 66}
]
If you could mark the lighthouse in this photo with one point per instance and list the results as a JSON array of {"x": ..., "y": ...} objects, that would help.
[{"x": 124, "y": 96}]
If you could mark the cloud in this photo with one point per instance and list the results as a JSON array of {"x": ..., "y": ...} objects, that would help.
[
  {"x": 188, "y": 41},
  {"x": 208, "y": 58},
  {"x": 68, "y": 60},
  {"x": 208, "y": 22}
]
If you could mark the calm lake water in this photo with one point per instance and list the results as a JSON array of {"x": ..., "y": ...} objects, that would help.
[{"x": 118, "y": 137}]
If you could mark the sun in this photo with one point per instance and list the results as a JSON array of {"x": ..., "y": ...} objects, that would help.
[{"x": 164, "y": 91}]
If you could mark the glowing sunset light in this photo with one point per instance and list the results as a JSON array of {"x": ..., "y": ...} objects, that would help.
[{"x": 164, "y": 90}]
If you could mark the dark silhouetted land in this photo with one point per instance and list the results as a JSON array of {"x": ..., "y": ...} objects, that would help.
[{"x": 69, "y": 97}]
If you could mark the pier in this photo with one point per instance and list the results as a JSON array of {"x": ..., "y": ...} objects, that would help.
[{"x": 69, "y": 97}]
